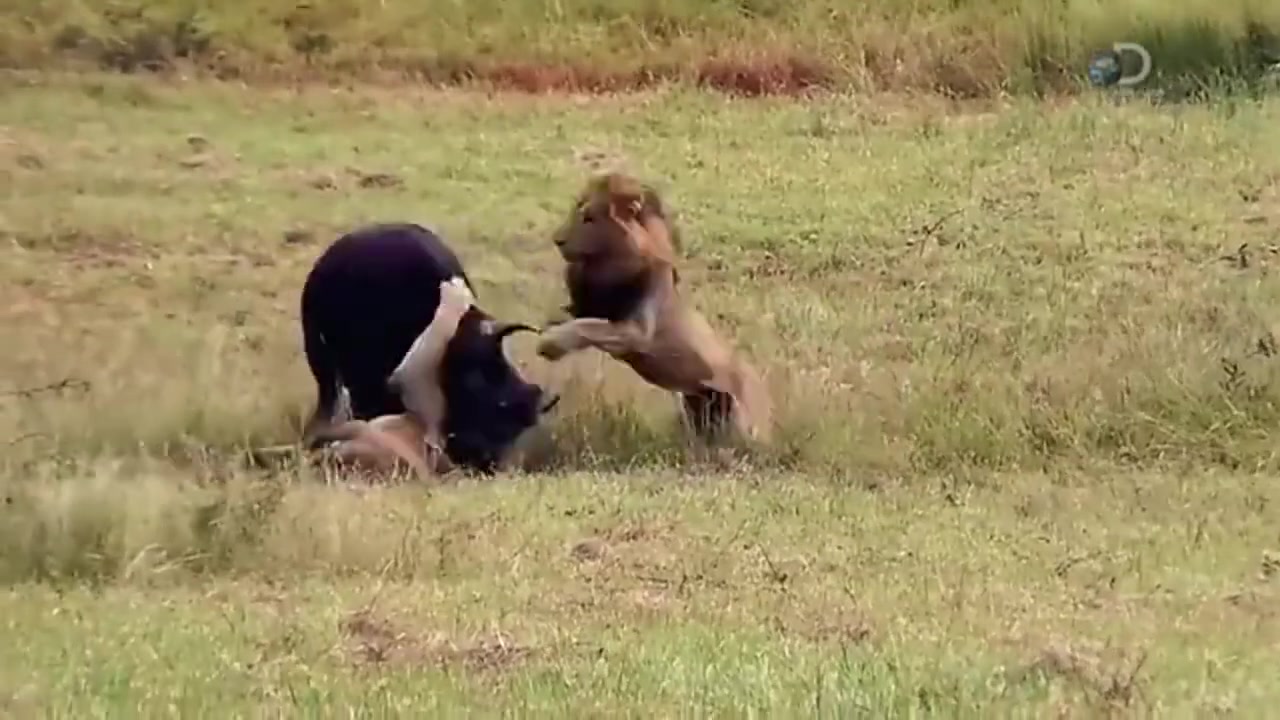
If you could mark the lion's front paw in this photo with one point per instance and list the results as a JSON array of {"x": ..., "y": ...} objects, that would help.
[
  {"x": 551, "y": 345},
  {"x": 554, "y": 319},
  {"x": 614, "y": 347}
]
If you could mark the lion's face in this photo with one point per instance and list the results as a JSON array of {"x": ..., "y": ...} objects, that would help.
[
  {"x": 617, "y": 222},
  {"x": 601, "y": 227}
]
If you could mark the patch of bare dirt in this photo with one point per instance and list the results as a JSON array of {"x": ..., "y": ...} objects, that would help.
[
  {"x": 760, "y": 74},
  {"x": 299, "y": 236},
  {"x": 749, "y": 72},
  {"x": 198, "y": 153},
  {"x": 650, "y": 599},
  {"x": 23, "y": 151},
  {"x": 1108, "y": 681},
  {"x": 1270, "y": 565},
  {"x": 842, "y": 627},
  {"x": 28, "y": 161},
  {"x": 103, "y": 247},
  {"x": 1258, "y": 603},
  {"x": 326, "y": 181},
  {"x": 599, "y": 160},
  {"x": 589, "y": 550},
  {"x": 765, "y": 75},
  {"x": 379, "y": 180},
  {"x": 372, "y": 640},
  {"x": 630, "y": 532},
  {"x": 355, "y": 178},
  {"x": 1259, "y": 598},
  {"x": 604, "y": 543}
]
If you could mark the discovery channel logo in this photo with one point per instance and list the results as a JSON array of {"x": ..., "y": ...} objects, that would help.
[{"x": 1106, "y": 70}]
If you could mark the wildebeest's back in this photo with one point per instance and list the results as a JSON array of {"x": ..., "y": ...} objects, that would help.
[{"x": 370, "y": 294}]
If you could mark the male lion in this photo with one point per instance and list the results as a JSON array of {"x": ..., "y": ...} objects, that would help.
[
  {"x": 620, "y": 253},
  {"x": 415, "y": 436}
]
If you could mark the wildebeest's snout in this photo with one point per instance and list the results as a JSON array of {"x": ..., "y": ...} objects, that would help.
[
  {"x": 549, "y": 401},
  {"x": 541, "y": 398},
  {"x": 524, "y": 402}
]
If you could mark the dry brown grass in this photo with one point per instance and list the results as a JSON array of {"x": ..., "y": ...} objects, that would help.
[{"x": 977, "y": 50}]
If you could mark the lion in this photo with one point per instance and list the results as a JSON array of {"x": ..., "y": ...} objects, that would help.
[
  {"x": 414, "y": 437},
  {"x": 620, "y": 252}
]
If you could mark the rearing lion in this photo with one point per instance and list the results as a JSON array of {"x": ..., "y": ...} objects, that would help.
[{"x": 620, "y": 252}]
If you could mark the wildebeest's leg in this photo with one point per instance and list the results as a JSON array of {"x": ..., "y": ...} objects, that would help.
[
  {"x": 325, "y": 372},
  {"x": 371, "y": 399}
]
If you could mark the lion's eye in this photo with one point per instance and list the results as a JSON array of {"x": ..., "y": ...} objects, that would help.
[{"x": 588, "y": 216}]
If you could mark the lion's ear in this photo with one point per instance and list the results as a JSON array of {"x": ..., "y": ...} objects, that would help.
[
  {"x": 655, "y": 206},
  {"x": 626, "y": 208}
]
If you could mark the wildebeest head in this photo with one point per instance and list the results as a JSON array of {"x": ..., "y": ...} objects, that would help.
[{"x": 489, "y": 404}]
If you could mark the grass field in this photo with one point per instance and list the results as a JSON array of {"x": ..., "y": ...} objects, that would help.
[
  {"x": 969, "y": 48},
  {"x": 1024, "y": 355}
]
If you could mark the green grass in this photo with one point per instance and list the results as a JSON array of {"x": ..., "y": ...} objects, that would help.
[
  {"x": 659, "y": 594},
  {"x": 1023, "y": 356},
  {"x": 970, "y": 49}
]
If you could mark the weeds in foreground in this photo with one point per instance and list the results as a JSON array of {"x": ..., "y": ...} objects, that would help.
[{"x": 1096, "y": 593}]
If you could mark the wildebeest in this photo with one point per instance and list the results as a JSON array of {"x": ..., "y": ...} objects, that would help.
[
  {"x": 368, "y": 296},
  {"x": 620, "y": 248},
  {"x": 416, "y": 436}
]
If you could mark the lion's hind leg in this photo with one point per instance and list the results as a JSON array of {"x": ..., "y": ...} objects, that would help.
[
  {"x": 740, "y": 402},
  {"x": 753, "y": 408},
  {"x": 707, "y": 412}
]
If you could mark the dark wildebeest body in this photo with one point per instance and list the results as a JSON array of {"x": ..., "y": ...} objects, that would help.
[{"x": 366, "y": 300}]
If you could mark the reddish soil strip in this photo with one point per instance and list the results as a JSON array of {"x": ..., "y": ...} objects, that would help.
[{"x": 785, "y": 75}]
